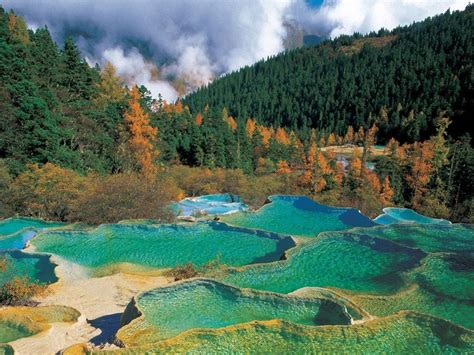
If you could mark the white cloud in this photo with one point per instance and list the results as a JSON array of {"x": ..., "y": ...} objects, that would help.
[
  {"x": 348, "y": 16},
  {"x": 135, "y": 70},
  {"x": 197, "y": 40}
]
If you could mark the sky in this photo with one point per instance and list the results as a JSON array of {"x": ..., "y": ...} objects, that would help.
[{"x": 174, "y": 46}]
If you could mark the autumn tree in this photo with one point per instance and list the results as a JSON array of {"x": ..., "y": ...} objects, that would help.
[
  {"x": 387, "y": 192},
  {"x": 421, "y": 168},
  {"x": 111, "y": 87},
  {"x": 17, "y": 28},
  {"x": 349, "y": 137},
  {"x": 198, "y": 119},
  {"x": 250, "y": 127},
  {"x": 142, "y": 136}
]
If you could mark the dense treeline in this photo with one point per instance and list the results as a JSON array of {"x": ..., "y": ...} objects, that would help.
[
  {"x": 402, "y": 79},
  {"x": 76, "y": 144}
]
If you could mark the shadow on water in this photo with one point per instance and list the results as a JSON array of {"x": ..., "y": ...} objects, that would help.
[
  {"x": 108, "y": 324},
  {"x": 354, "y": 218}
]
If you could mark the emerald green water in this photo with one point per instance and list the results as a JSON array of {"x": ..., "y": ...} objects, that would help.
[
  {"x": 10, "y": 331},
  {"x": 393, "y": 215},
  {"x": 16, "y": 231},
  {"x": 38, "y": 268},
  {"x": 299, "y": 216},
  {"x": 430, "y": 238},
  {"x": 163, "y": 246},
  {"x": 15, "y": 224},
  {"x": 337, "y": 259},
  {"x": 407, "y": 333},
  {"x": 209, "y": 304},
  {"x": 444, "y": 287}
]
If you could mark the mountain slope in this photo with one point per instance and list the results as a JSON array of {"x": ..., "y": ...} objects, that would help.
[{"x": 406, "y": 78}]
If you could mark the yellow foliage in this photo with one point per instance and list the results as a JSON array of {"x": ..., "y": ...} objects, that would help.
[
  {"x": 250, "y": 127},
  {"x": 111, "y": 87},
  {"x": 281, "y": 137},
  {"x": 232, "y": 123},
  {"x": 142, "y": 136},
  {"x": 283, "y": 168}
]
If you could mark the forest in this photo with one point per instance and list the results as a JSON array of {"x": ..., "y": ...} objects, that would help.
[
  {"x": 78, "y": 144},
  {"x": 402, "y": 79}
]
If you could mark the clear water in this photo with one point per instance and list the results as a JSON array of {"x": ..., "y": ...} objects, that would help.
[
  {"x": 16, "y": 232},
  {"x": 431, "y": 238},
  {"x": 299, "y": 216},
  {"x": 338, "y": 259},
  {"x": 38, "y": 268},
  {"x": 15, "y": 224},
  {"x": 443, "y": 286},
  {"x": 216, "y": 204},
  {"x": 164, "y": 246},
  {"x": 405, "y": 333},
  {"x": 209, "y": 304},
  {"x": 9, "y": 331},
  {"x": 16, "y": 240},
  {"x": 393, "y": 215}
]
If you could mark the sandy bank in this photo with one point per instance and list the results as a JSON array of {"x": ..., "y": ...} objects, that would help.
[{"x": 101, "y": 302}]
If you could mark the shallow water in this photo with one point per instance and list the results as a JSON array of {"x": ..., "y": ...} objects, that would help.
[
  {"x": 209, "y": 304},
  {"x": 338, "y": 259},
  {"x": 38, "y": 268},
  {"x": 431, "y": 238},
  {"x": 393, "y": 215},
  {"x": 17, "y": 231},
  {"x": 11, "y": 332},
  {"x": 216, "y": 204},
  {"x": 164, "y": 246},
  {"x": 15, "y": 224},
  {"x": 299, "y": 216},
  {"x": 404, "y": 333}
]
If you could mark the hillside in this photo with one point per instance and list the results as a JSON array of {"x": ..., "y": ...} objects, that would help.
[{"x": 404, "y": 79}]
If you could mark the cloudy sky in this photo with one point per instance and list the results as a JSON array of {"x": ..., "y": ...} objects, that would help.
[{"x": 158, "y": 42}]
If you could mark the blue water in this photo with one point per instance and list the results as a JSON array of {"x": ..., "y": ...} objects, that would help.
[
  {"x": 299, "y": 216},
  {"x": 17, "y": 231},
  {"x": 216, "y": 204},
  {"x": 38, "y": 268},
  {"x": 393, "y": 215}
]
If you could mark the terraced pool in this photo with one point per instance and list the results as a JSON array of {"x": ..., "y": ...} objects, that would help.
[
  {"x": 164, "y": 246},
  {"x": 299, "y": 216},
  {"x": 204, "y": 303},
  {"x": 336, "y": 259},
  {"x": 36, "y": 267}
]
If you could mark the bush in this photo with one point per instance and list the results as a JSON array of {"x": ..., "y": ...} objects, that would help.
[
  {"x": 109, "y": 199},
  {"x": 19, "y": 291},
  {"x": 46, "y": 191},
  {"x": 182, "y": 272}
]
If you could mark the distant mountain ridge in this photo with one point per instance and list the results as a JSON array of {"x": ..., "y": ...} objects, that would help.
[{"x": 404, "y": 79}]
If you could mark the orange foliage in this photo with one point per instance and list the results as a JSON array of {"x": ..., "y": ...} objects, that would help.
[
  {"x": 387, "y": 192},
  {"x": 360, "y": 134},
  {"x": 311, "y": 158},
  {"x": 331, "y": 139},
  {"x": 421, "y": 169},
  {"x": 232, "y": 123},
  {"x": 323, "y": 164},
  {"x": 178, "y": 107},
  {"x": 281, "y": 137},
  {"x": 339, "y": 175},
  {"x": 250, "y": 127},
  {"x": 198, "y": 119},
  {"x": 373, "y": 180},
  {"x": 266, "y": 134},
  {"x": 355, "y": 166},
  {"x": 349, "y": 137},
  {"x": 283, "y": 168},
  {"x": 142, "y": 134}
]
